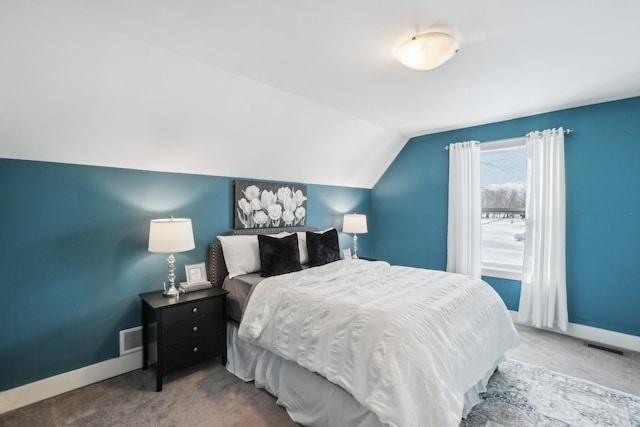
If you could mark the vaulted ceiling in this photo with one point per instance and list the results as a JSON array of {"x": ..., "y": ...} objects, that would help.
[{"x": 290, "y": 90}]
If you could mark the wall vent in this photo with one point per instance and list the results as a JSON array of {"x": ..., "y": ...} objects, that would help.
[
  {"x": 130, "y": 340},
  {"x": 604, "y": 348}
]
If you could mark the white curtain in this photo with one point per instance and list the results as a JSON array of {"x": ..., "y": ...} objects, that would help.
[
  {"x": 463, "y": 234},
  {"x": 543, "y": 299}
]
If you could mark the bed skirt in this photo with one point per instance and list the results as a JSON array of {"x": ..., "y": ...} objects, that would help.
[{"x": 309, "y": 398}]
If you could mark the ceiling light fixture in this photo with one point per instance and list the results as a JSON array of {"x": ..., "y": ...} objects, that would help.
[{"x": 427, "y": 51}]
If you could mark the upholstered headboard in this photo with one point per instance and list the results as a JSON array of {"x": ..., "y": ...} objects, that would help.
[{"x": 217, "y": 267}]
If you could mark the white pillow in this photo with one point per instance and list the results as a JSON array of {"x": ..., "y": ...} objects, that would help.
[
  {"x": 242, "y": 253},
  {"x": 302, "y": 247}
]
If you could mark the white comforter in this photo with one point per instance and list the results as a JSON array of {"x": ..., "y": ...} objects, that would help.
[{"x": 407, "y": 343}]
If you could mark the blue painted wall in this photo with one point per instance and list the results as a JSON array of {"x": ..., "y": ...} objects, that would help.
[
  {"x": 74, "y": 237},
  {"x": 409, "y": 208},
  {"x": 74, "y": 254}
]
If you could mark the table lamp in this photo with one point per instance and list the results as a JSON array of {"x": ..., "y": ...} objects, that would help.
[
  {"x": 168, "y": 236},
  {"x": 356, "y": 224}
]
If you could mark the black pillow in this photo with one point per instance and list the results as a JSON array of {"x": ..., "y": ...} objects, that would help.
[
  {"x": 323, "y": 248},
  {"x": 279, "y": 256}
]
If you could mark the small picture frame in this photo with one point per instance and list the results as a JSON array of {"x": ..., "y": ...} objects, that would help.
[
  {"x": 196, "y": 273},
  {"x": 346, "y": 253}
]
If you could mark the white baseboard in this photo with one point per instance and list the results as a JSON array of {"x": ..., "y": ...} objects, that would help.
[
  {"x": 67, "y": 381},
  {"x": 589, "y": 333}
]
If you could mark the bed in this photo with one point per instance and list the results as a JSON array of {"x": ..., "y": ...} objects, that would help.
[{"x": 356, "y": 343}]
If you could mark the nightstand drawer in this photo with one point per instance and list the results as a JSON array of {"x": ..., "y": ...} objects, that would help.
[
  {"x": 199, "y": 328},
  {"x": 193, "y": 351},
  {"x": 193, "y": 310}
]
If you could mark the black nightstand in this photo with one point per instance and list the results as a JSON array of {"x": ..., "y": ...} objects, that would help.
[{"x": 183, "y": 331}]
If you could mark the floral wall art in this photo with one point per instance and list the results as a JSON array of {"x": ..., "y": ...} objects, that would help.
[{"x": 269, "y": 204}]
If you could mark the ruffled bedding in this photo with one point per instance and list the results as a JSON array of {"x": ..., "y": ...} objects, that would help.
[{"x": 406, "y": 343}]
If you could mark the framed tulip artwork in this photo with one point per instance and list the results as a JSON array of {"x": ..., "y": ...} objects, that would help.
[{"x": 269, "y": 204}]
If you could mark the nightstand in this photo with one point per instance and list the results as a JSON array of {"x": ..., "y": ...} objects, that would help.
[{"x": 180, "y": 332}]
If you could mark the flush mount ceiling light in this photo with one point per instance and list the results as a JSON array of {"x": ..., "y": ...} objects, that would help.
[{"x": 427, "y": 51}]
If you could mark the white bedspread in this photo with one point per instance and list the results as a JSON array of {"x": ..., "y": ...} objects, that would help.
[{"x": 406, "y": 343}]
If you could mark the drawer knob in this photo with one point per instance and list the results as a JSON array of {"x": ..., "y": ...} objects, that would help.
[
  {"x": 195, "y": 329},
  {"x": 195, "y": 309},
  {"x": 195, "y": 349}
]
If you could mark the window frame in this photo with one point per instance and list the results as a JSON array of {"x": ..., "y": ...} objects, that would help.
[{"x": 498, "y": 270}]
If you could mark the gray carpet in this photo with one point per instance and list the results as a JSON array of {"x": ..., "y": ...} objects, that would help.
[
  {"x": 204, "y": 395},
  {"x": 518, "y": 395}
]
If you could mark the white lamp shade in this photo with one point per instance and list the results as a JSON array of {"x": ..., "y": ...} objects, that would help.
[
  {"x": 427, "y": 51},
  {"x": 354, "y": 223},
  {"x": 171, "y": 235}
]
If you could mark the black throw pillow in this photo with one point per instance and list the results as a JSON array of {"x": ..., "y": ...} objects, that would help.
[
  {"x": 323, "y": 248},
  {"x": 278, "y": 256}
]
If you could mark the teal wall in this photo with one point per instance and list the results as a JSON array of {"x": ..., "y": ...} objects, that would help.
[
  {"x": 74, "y": 237},
  {"x": 74, "y": 254},
  {"x": 602, "y": 157}
]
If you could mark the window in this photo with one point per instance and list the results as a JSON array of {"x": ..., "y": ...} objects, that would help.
[{"x": 503, "y": 172}]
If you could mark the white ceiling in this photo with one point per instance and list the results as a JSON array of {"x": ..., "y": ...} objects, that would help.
[{"x": 291, "y": 89}]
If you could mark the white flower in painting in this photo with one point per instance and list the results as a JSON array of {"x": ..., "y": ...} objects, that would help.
[
  {"x": 290, "y": 205},
  {"x": 245, "y": 206},
  {"x": 260, "y": 218},
  {"x": 275, "y": 212},
  {"x": 298, "y": 197},
  {"x": 300, "y": 213},
  {"x": 256, "y": 204},
  {"x": 287, "y": 217},
  {"x": 251, "y": 192},
  {"x": 284, "y": 194},
  {"x": 267, "y": 199}
]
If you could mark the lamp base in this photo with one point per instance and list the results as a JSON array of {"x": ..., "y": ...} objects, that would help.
[
  {"x": 171, "y": 291},
  {"x": 355, "y": 246}
]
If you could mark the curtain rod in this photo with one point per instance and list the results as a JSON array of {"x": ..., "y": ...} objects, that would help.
[{"x": 566, "y": 132}]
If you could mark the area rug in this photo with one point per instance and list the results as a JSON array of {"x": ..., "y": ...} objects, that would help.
[{"x": 519, "y": 394}]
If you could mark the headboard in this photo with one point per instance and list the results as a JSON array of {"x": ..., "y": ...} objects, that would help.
[{"x": 218, "y": 269}]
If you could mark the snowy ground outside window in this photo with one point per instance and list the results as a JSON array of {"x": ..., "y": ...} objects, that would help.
[{"x": 499, "y": 244}]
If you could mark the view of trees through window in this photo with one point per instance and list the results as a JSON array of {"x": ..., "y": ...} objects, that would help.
[{"x": 503, "y": 181}]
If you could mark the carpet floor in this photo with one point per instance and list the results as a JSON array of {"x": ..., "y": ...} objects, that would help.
[
  {"x": 519, "y": 394},
  {"x": 203, "y": 395}
]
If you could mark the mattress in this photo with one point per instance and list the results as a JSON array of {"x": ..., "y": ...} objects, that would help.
[{"x": 239, "y": 289}]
